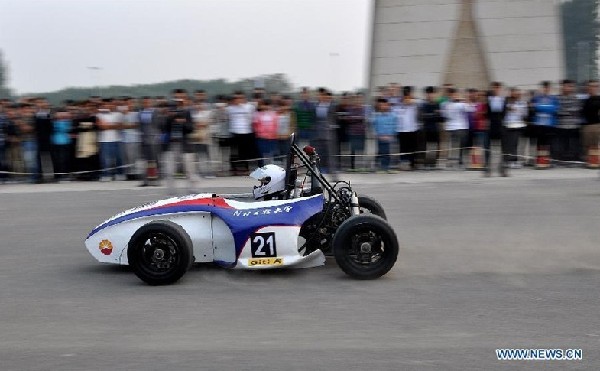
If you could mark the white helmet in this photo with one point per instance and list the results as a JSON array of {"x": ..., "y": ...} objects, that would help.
[{"x": 271, "y": 178}]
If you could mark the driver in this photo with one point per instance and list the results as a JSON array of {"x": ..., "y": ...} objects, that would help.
[{"x": 271, "y": 182}]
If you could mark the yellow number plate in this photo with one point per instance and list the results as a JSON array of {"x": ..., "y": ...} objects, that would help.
[{"x": 265, "y": 261}]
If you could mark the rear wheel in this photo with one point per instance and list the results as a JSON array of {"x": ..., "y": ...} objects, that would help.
[
  {"x": 368, "y": 205},
  {"x": 160, "y": 253},
  {"x": 365, "y": 247}
]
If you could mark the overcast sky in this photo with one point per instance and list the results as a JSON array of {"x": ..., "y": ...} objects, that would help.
[{"x": 49, "y": 44}]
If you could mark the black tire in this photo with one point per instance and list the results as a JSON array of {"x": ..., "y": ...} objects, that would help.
[
  {"x": 160, "y": 253},
  {"x": 372, "y": 206},
  {"x": 382, "y": 245}
]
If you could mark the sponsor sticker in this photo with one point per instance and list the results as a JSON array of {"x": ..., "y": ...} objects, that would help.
[
  {"x": 264, "y": 261},
  {"x": 266, "y": 211},
  {"x": 105, "y": 247}
]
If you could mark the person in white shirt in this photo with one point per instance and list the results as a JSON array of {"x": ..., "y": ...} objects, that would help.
[
  {"x": 457, "y": 125},
  {"x": 514, "y": 123},
  {"x": 408, "y": 127},
  {"x": 242, "y": 140},
  {"x": 109, "y": 124}
]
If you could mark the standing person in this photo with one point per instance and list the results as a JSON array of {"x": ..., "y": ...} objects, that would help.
[
  {"x": 151, "y": 122},
  {"x": 43, "y": 131},
  {"x": 76, "y": 116},
  {"x": 13, "y": 139},
  {"x": 481, "y": 126},
  {"x": 341, "y": 128},
  {"x": 3, "y": 136},
  {"x": 201, "y": 137},
  {"x": 177, "y": 148},
  {"x": 131, "y": 138},
  {"x": 61, "y": 143},
  {"x": 457, "y": 126},
  {"x": 324, "y": 129},
  {"x": 29, "y": 142},
  {"x": 545, "y": 107},
  {"x": 408, "y": 128},
  {"x": 304, "y": 110},
  {"x": 286, "y": 124},
  {"x": 109, "y": 137},
  {"x": 496, "y": 110},
  {"x": 86, "y": 151},
  {"x": 211, "y": 141},
  {"x": 530, "y": 132},
  {"x": 384, "y": 125},
  {"x": 496, "y": 104},
  {"x": 590, "y": 131},
  {"x": 265, "y": 128},
  {"x": 514, "y": 123},
  {"x": 243, "y": 140},
  {"x": 222, "y": 134},
  {"x": 430, "y": 116},
  {"x": 566, "y": 142},
  {"x": 477, "y": 109},
  {"x": 73, "y": 107},
  {"x": 444, "y": 140},
  {"x": 356, "y": 130}
]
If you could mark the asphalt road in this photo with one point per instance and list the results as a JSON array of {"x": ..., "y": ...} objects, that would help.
[{"x": 484, "y": 264}]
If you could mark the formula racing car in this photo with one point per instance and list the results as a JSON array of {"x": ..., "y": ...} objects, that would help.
[{"x": 292, "y": 219}]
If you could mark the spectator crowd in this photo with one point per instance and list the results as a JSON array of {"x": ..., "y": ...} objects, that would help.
[{"x": 190, "y": 134}]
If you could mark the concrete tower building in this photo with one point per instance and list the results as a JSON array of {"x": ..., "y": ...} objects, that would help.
[{"x": 466, "y": 42}]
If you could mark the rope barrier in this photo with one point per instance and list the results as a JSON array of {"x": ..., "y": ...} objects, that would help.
[
  {"x": 283, "y": 156},
  {"x": 459, "y": 149},
  {"x": 407, "y": 153},
  {"x": 72, "y": 172}
]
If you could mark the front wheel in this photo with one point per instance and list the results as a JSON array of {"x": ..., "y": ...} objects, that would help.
[
  {"x": 160, "y": 253},
  {"x": 365, "y": 247}
]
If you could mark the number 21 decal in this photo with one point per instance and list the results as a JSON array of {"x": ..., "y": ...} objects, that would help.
[{"x": 262, "y": 245}]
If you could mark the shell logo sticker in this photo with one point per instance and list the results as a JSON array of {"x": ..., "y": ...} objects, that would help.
[{"x": 105, "y": 247}]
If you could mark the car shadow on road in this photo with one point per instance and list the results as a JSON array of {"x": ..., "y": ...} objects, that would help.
[
  {"x": 213, "y": 273},
  {"x": 106, "y": 269}
]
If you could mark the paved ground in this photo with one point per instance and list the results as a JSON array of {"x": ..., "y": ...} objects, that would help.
[{"x": 484, "y": 264}]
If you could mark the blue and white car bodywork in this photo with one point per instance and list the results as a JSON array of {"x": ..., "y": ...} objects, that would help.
[
  {"x": 230, "y": 233},
  {"x": 292, "y": 227}
]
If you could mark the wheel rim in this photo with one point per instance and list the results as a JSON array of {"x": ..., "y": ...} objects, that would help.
[
  {"x": 158, "y": 254},
  {"x": 367, "y": 248}
]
